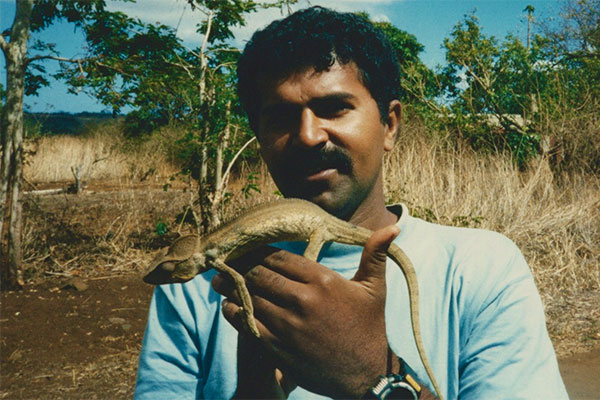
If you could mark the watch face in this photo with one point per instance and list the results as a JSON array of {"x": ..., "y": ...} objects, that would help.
[
  {"x": 392, "y": 387},
  {"x": 401, "y": 390},
  {"x": 396, "y": 386}
]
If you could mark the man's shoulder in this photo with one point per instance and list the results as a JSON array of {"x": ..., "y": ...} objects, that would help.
[
  {"x": 458, "y": 254},
  {"x": 454, "y": 240}
]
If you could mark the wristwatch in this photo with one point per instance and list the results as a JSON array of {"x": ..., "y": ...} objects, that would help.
[{"x": 396, "y": 386}]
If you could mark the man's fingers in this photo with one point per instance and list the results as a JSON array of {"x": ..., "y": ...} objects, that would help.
[
  {"x": 224, "y": 285},
  {"x": 265, "y": 282},
  {"x": 260, "y": 281},
  {"x": 293, "y": 266},
  {"x": 234, "y": 316},
  {"x": 374, "y": 256},
  {"x": 251, "y": 259},
  {"x": 279, "y": 319}
]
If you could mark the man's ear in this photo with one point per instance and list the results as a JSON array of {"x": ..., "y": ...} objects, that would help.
[{"x": 392, "y": 124}]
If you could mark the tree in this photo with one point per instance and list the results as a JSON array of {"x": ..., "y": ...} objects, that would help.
[
  {"x": 530, "y": 9},
  {"x": 29, "y": 16},
  {"x": 571, "y": 102},
  {"x": 24, "y": 74},
  {"x": 574, "y": 42},
  {"x": 418, "y": 84},
  {"x": 12, "y": 148},
  {"x": 148, "y": 68},
  {"x": 142, "y": 66},
  {"x": 493, "y": 87}
]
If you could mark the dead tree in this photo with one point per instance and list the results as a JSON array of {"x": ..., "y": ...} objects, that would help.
[{"x": 11, "y": 130}]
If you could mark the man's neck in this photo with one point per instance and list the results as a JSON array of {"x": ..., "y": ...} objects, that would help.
[
  {"x": 373, "y": 218},
  {"x": 372, "y": 212}
]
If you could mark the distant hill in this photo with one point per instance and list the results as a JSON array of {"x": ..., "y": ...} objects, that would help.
[{"x": 67, "y": 123}]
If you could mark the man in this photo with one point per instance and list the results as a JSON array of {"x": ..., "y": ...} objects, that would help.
[{"x": 320, "y": 89}]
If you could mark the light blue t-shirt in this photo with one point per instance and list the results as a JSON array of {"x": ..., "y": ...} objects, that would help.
[{"x": 481, "y": 318}]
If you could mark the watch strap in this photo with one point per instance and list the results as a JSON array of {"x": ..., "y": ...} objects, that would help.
[
  {"x": 402, "y": 385},
  {"x": 409, "y": 376}
]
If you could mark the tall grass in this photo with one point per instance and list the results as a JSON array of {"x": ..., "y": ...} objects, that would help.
[
  {"x": 555, "y": 222},
  {"x": 102, "y": 154},
  {"x": 557, "y": 226}
]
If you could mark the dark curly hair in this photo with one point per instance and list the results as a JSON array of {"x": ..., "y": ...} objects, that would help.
[{"x": 318, "y": 37}]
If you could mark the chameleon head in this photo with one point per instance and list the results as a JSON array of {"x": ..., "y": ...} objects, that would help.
[
  {"x": 175, "y": 271},
  {"x": 177, "y": 263}
]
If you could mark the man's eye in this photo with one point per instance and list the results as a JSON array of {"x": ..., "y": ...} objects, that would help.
[
  {"x": 280, "y": 117},
  {"x": 331, "y": 109}
]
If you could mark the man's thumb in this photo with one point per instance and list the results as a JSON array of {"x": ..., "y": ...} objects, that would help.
[{"x": 372, "y": 261}]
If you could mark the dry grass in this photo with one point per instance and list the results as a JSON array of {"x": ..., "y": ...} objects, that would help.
[
  {"x": 556, "y": 225},
  {"x": 103, "y": 154},
  {"x": 100, "y": 233}
]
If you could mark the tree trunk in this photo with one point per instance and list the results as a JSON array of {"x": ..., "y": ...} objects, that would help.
[
  {"x": 221, "y": 146},
  {"x": 219, "y": 183},
  {"x": 204, "y": 188},
  {"x": 12, "y": 147}
]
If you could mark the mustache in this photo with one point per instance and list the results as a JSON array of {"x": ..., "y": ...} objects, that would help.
[{"x": 309, "y": 161}]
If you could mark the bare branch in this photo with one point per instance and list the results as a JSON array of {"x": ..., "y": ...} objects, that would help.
[
  {"x": 224, "y": 49},
  {"x": 50, "y": 57},
  {"x": 226, "y": 64},
  {"x": 580, "y": 54},
  {"x": 239, "y": 152},
  {"x": 207, "y": 33},
  {"x": 77, "y": 61},
  {"x": 80, "y": 68},
  {"x": 181, "y": 65}
]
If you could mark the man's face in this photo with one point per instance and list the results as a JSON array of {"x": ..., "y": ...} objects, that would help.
[{"x": 322, "y": 137}]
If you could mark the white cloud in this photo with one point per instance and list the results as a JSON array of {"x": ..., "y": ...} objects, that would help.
[
  {"x": 178, "y": 14},
  {"x": 262, "y": 18},
  {"x": 380, "y": 18},
  {"x": 151, "y": 11}
]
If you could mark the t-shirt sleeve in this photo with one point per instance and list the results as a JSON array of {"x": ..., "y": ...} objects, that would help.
[
  {"x": 506, "y": 351},
  {"x": 169, "y": 364},
  {"x": 183, "y": 321}
]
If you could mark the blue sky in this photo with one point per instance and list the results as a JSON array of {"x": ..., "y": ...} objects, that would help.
[{"x": 429, "y": 20}]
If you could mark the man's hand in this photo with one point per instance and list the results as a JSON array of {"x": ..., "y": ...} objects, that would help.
[
  {"x": 325, "y": 332},
  {"x": 257, "y": 376}
]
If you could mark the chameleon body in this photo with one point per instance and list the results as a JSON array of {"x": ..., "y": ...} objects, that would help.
[{"x": 281, "y": 220}]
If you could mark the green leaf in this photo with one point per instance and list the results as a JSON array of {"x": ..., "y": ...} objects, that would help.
[{"x": 161, "y": 228}]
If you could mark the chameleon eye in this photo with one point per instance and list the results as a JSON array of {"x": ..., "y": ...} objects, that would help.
[{"x": 168, "y": 266}]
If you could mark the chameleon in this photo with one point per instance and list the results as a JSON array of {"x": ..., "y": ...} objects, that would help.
[{"x": 277, "y": 221}]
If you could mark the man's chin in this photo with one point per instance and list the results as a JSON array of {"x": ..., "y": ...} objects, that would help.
[
  {"x": 328, "y": 201},
  {"x": 332, "y": 198}
]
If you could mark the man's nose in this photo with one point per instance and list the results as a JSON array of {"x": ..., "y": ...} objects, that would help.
[{"x": 310, "y": 131}]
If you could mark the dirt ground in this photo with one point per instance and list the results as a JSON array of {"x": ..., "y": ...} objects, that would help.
[{"x": 58, "y": 342}]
